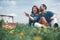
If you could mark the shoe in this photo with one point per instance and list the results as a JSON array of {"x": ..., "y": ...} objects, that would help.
[{"x": 56, "y": 25}]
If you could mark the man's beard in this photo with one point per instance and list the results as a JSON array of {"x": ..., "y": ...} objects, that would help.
[{"x": 41, "y": 10}]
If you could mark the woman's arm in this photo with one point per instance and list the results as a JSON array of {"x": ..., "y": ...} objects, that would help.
[{"x": 29, "y": 16}]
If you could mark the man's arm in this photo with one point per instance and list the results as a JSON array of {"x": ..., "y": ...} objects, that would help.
[{"x": 54, "y": 16}]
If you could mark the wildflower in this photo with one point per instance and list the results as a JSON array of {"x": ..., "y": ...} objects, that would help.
[
  {"x": 12, "y": 31},
  {"x": 37, "y": 38},
  {"x": 43, "y": 26},
  {"x": 21, "y": 34}
]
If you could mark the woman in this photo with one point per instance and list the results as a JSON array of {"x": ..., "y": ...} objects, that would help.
[{"x": 34, "y": 17}]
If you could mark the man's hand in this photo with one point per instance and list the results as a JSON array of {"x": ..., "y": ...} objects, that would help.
[
  {"x": 52, "y": 18},
  {"x": 26, "y": 14}
]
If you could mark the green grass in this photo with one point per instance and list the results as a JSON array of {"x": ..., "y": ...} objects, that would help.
[{"x": 25, "y": 32}]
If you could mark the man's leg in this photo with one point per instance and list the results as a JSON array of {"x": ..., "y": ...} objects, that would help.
[
  {"x": 43, "y": 21},
  {"x": 38, "y": 24},
  {"x": 54, "y": 23}
]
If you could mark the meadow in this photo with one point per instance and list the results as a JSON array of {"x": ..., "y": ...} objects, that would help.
[{"x": 26, "y": 32}]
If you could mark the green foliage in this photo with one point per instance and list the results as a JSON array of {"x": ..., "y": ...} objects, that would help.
[
  {"x": 25, "y": 32},
  {"x": 2, "y": 20}
]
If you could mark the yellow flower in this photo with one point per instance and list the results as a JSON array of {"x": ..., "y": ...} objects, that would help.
[
  {"x": 44, "y": 26},
  {"x": 21, "y": 34},
  {"x": 12, "y": 31},
  {"x": 37, "y": 38}
]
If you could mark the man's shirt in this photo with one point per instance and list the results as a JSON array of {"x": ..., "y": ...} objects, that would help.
[{"x": 47, "y": 15}]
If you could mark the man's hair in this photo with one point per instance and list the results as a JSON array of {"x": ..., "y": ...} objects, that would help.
[
  {"x": 36, "y": 8},
  {"x": 44, "y": 6}
]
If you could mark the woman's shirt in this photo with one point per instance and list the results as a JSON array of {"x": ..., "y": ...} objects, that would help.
[{"x": 36, "y": 17}]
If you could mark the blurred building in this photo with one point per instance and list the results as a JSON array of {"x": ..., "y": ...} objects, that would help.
[
  {"x": 8, "y": 21},
  {"x": 7, "y": 18}
]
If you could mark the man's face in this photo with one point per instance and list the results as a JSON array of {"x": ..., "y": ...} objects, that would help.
[{"x": 42, "y": 8}]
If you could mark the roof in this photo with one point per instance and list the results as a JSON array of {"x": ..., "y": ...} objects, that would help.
[{"x": 7, "y": 15}]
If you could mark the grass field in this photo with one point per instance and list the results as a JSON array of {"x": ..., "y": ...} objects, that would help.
[{"x": 25, "y": 32}]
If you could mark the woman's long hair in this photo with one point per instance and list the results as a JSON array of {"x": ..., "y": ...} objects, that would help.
[{"x": 36, "y": 8}]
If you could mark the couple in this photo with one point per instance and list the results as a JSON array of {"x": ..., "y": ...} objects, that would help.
[{"x": 40, "y": 17}]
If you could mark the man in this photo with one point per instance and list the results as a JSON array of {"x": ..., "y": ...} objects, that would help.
[{"x": 47, "y": 18}]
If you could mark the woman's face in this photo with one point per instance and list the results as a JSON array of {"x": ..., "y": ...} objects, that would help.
[{"x": 34, "y": 10}]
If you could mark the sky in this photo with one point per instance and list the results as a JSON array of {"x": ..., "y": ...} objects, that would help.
[{"x": 18, "y": 7}]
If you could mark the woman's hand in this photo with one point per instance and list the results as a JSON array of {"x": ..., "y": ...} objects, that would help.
[
  {"x": 26, "y": 14},
  {"x": 29, "y": 16}
]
